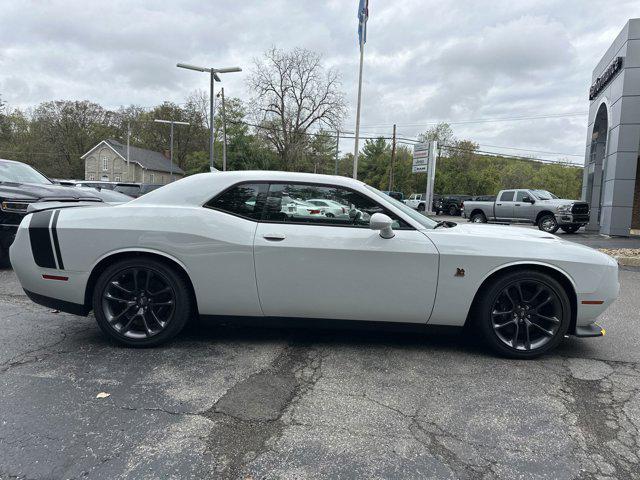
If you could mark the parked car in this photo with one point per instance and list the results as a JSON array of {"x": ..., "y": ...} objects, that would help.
[
  {"x": 87, "y": 183},
  {"x": 416, "y": 202},
  {"x": 397, "y": 195},
  {"x": 20, "y": 186},
  {"x": 451, "y": 204},
  {"x": 136, "y": 190},
  {"x": 196, "y": 247},
  {"x": 539, "y": 207},
  {"x": 108, "y": 196},
  {"x": 298, "y": 208},
  {"x": 331, "y": 207}
]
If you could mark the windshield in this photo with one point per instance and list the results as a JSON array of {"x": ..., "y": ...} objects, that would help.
[
  {"x": 128, "y": 189},
  {"x": 543, "y": 194},
  {"x": 415, "y": 215},
  {"x": 21, "y": 173}
]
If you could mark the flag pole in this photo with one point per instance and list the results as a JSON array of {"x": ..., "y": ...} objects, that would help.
[{"x": 355, "y": 153}]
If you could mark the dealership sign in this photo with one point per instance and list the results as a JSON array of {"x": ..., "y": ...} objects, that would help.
[
  {"x": 421, "y": 155},
  {"x": 606, "y": 77}
]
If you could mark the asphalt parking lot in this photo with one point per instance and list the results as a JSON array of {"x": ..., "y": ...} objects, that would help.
[{"x": 250, "y": 403}]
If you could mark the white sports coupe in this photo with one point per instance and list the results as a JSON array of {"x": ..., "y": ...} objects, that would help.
[{"x": 199, "y": 246}]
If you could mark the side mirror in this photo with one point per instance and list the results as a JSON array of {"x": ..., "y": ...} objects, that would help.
[
  {"x": 381, "y": 222},
  {"x": 527, "y": 199}
]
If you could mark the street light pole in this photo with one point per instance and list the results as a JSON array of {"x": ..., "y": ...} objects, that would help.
[
  {"x": 172, "y": 123},
  {"x": 224, "y": 132},
  {"x": 214, "y": 78}
]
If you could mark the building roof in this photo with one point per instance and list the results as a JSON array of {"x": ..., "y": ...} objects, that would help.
[{"x": 148, "y": 159}]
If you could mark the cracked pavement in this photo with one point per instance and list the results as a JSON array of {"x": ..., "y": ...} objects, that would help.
[{"x": 275, "y": 403}]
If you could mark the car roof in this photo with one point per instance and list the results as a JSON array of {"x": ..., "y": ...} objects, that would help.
[{"x": 198, "y": 189}]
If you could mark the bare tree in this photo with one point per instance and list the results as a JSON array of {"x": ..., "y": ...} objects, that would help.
[{"x": 294, "y": 94}]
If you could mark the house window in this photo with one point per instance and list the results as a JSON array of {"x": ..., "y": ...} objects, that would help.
[
  {"x": 152, "y": 178},
  {"x": 91, "y": 176},
  {"x": 104, "y": 178},
  {"x": 116, "y": 178},
  {"x": 105, "y": 163}
]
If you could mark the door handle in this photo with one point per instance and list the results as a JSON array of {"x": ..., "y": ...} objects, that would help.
[
  {"x": 517, "y": 204},
  {"x": 274, "y": 237},
  {"x": 498, "y": 204}
]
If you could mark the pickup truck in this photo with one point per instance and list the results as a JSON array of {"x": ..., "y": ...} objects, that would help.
[{"x": 539, "y": 207}]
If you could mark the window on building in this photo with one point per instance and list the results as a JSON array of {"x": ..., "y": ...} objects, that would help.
[
  {"x": 152, "y": 178},
  {"x": 105, "y": 163},
  {"x": 116, "y": 178},
  {"x": 91, "y": 176},
  {"x": 104, "y": 178}
]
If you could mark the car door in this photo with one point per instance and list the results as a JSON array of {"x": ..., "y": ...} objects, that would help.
[
  {"x": 320, "y": 267},
  {"x": 504, "y": 205},
  {"x": 523, "y": 211}
]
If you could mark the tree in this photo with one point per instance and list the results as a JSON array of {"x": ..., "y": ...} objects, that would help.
[{"x": 294, "y": 94}]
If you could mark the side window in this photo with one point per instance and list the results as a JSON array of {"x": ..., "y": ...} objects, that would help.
[
  {"x": 520, "y": 195},
  {"x": 507, "y": 196},
  {"x": 245, "y": 200},
  {"x": 300, "y": 203}
]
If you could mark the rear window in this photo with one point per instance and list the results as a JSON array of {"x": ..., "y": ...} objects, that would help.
[
  {"x": 507, "y": 196},
  {"x": 245, "y": 200},
  {"x": 128, "y": 189}
]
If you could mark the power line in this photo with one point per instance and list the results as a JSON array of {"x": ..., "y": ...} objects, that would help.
[{"x": 482, "y": 120}]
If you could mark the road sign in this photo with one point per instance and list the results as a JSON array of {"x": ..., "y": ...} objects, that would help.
[{"x": 424, "y": 161}]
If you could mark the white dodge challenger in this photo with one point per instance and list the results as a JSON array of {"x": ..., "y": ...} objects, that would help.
[{"x": 219, "y": 244}]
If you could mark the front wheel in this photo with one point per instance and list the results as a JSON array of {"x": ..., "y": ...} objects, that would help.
[
  {"x": 141, "y": 302},
  {"x": 524, "y": 314},
  {"x": 570, "y": 228},
  {"x": 548, "y": 223},
  {"x": 421, "y": 207}
]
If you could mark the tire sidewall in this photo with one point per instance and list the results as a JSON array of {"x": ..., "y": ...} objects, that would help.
[
  {"x": 541, "y": 221},
  {"x": 183, "y": 307},
  {"x": 489, "y": 296},
  {"x": 478, "y": 215}
]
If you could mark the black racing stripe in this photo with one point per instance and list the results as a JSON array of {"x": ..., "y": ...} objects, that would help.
[
  {"x": 56, "y": 244},
  {"x": 40, "y": 240}
]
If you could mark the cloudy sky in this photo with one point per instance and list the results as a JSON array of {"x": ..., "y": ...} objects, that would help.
[{"x": 462, "y": 61}]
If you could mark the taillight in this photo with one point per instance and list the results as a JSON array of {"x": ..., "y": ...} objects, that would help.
[{"x": 314, "y": 212}]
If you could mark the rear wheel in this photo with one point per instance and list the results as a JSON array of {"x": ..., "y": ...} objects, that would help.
[
  {"x": 547, "y": 223},
  {"x": 570, "y": 228},
  {"x": 453, "y": 210},
  {"x": 478, "y": 217},
  {"x": 421, "y": 207},
  {"x": 524, "y": 314},
  {"x": 141, "y": 302}
]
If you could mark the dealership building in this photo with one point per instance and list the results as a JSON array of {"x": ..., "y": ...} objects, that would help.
[{"x": 611, "y": 182}]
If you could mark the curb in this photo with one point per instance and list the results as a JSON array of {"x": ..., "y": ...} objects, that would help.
[{"x": 628, "y": 261}]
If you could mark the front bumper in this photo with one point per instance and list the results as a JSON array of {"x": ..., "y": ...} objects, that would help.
[
  {"x": 591, "y": 330},
  {"x": 572, "y": 219}
]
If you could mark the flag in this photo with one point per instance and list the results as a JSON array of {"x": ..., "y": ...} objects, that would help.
[{"x": 363, "y": 16}]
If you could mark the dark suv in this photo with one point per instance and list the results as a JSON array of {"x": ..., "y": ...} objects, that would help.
[
  {"x": 20, "y": 186},
  {"x": 451, "y": 204}
]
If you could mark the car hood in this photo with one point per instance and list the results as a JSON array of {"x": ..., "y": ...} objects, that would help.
[
  {"x": 43, "y": 192},
  {"x": 556, "y": 202},
  {"x": 503, "y": 231}
]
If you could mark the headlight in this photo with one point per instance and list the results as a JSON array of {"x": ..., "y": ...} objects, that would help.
[
  {"x": 14, "y": 206},
  {"x": 564, "y": 208}
]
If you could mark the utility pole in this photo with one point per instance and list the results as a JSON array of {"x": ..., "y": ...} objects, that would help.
[
  {"x": 171, "y": 122},
  {"x": 337, "y": 149},
  {"x": 128, "y": 137},
  {"x": 393, "y": 158},
  {"x": 224, "y": 132},
  {"x": 214, "y": 78}
]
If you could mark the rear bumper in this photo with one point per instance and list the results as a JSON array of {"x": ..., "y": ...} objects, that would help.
[{"x": 63, "y": 306}]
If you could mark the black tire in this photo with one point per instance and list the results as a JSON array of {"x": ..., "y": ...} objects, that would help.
[
  {"x": 421, "y": 207},
  {"x": 329, "y": 215},
  {"x": 165, "y": 298},
  {"x": 570, "y": 228},
  {"x": 547, "y": 223},
  {"x": 4, "y": 258},
  {"x": 541, "y": 331},
  {"x": 453, "y": 210},
  {"x": 478, "y": 217}
]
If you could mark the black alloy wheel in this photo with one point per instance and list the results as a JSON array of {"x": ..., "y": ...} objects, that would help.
[
  {"x": 524, "y": 314},
  {"x": 141, "y": 302},
  {"x": 547, "y": 223}
]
